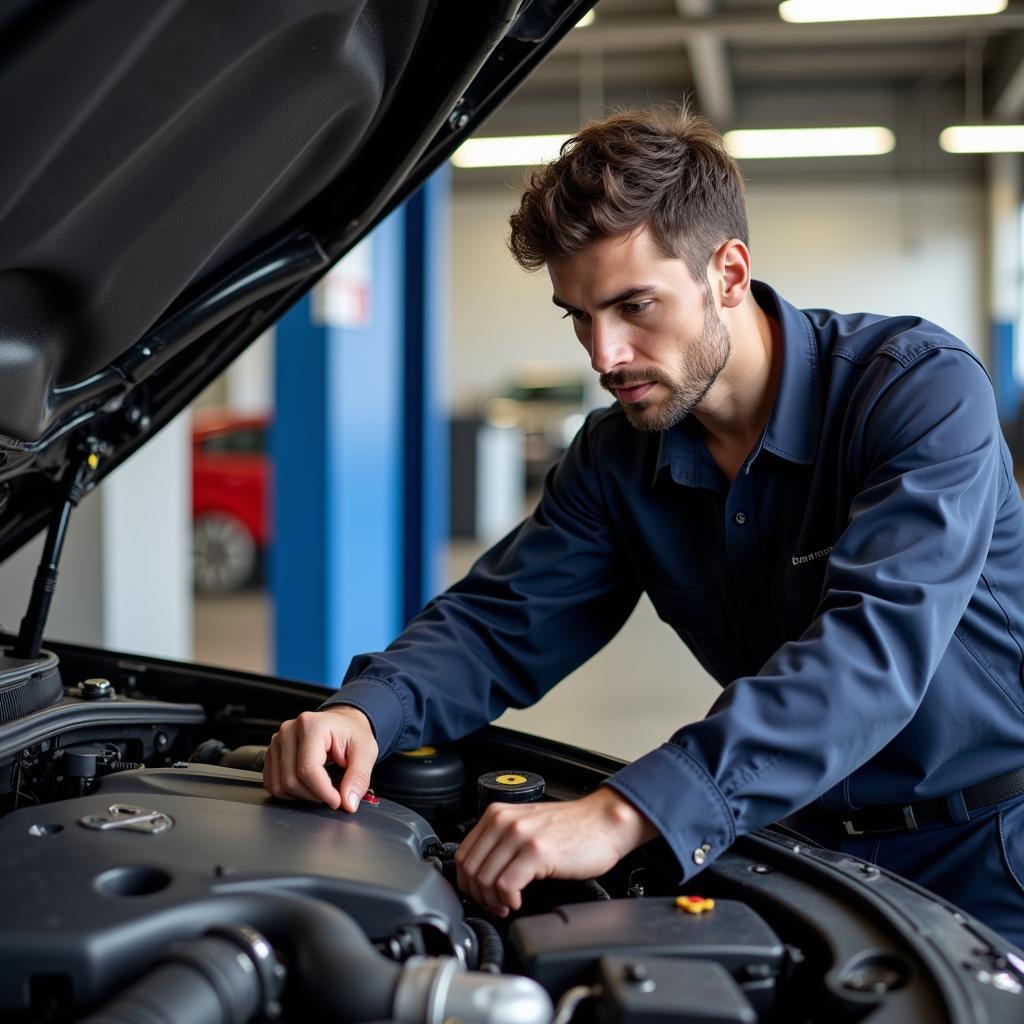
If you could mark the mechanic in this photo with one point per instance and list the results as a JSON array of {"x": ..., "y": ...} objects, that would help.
[{"x": 821, "y": 505}]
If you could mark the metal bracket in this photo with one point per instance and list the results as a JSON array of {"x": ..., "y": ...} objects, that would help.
[{"x": 133, "y": 819}]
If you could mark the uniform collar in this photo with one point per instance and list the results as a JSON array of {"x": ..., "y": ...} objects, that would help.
[{"x": 794, "y": 425}]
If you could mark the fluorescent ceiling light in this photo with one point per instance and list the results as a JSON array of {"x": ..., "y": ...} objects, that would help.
[
  {"x": 587, "y": 19},
  {"x": 876, "y": 10},
  {"x": 508, "y": 151},
  {"x": 983, "y": 138},
  {"x": 779, "y": 143}
]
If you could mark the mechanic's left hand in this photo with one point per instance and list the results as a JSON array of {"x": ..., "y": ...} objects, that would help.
[{"x": 514, "y": 844}]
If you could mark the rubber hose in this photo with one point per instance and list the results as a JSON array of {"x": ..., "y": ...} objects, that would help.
[
  {"x": 170, "y": 994},
  {"x": 330, "y": 958},
  {"x": 492, "y": 949},
  {"x": 205, "y": 981}
]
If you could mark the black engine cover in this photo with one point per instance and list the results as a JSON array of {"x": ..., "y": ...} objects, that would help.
[{"x": 98, "y": 903}]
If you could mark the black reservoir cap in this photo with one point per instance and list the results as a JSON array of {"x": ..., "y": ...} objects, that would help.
[
  {"x": 427, "y": 774},
  {"x": 509, "y": 787}
]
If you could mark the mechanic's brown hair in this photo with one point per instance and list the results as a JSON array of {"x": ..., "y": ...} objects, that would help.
[{"x": 666, "y": 167}]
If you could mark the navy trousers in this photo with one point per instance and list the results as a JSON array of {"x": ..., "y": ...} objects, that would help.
[{"x": 978, "y": 865}]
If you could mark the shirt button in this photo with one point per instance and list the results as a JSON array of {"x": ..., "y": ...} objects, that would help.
[
  {"x": 740, "y": 518},
  {"x": 701, "y": 854}
]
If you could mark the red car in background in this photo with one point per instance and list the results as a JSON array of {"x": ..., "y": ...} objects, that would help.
[{"x": 230, "y": 498}]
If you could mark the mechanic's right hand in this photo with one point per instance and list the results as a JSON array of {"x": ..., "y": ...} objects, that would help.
[{"x": 294, "y": 766}]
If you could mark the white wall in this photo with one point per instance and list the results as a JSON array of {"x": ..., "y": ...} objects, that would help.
[
  {"x": 249, "y": 380},
  {"x": 916, "y": 249},
  {"x": 125, "y": 576},
  {"x": 501, "y": 316},
  {"x": 147, "y": 547},
  {"x": 888, "y": 249},
  {"x": 76, "y": 613}
]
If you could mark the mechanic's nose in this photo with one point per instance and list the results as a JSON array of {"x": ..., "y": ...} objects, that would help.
[{"x": 609, "y": 349}]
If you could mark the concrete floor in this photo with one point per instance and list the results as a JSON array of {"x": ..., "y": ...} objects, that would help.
[
  {"x": 626, "y": 700},
  {"x": 233, "y": 631}
]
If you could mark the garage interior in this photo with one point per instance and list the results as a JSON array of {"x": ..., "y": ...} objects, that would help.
[
  {"x": 912, "y": 230},
  {"x": 310, "y": 406}
]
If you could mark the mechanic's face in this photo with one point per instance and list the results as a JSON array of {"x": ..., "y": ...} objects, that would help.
[{"x": 651, "y": 331}]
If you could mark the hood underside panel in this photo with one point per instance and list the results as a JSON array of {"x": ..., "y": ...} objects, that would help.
[
  {"x": 177, "y": 173},
  {"x": 157, "y": 140}
]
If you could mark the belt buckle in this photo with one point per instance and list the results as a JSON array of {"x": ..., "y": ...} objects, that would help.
[{"x": 909, "y": 824}]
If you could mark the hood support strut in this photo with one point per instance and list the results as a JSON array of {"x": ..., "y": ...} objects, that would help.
[{"x": 30, "y": 636}]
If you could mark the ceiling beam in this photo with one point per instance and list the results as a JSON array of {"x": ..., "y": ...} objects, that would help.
[
  {"x": 1008, "y": 81},
  {"x": 670, "y": 68},
  {"x": 709, "y": 63},
  {"x": 658, "y": 33},
  {"x": 905, "y": 62}
]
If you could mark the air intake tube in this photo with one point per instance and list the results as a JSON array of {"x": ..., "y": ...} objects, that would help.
[
  {"x": 335, "y": 968},
  {"x": 229, "y": 975}
]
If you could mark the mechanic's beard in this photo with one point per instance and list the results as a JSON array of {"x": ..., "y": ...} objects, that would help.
[{"x": 700, "y": 370}]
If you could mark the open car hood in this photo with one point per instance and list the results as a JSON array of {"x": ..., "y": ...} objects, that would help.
[{"x": 178, "y": 172}]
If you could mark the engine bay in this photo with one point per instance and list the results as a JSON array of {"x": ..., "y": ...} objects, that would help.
[{"x": 148, "y": 876}]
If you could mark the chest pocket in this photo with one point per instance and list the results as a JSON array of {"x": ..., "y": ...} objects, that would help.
[
  {"x": 690, "y": 611},
  {"x": 698, "y": 616}
]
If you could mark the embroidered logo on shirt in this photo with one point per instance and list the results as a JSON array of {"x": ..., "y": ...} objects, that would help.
[{"x": 813, "y": 556}]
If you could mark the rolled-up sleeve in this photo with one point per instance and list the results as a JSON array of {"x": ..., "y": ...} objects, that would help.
[
  {"x": 533, "y": 608},
  {"x": 925, "y": 448}
]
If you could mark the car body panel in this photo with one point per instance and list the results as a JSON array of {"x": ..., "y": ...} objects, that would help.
[{"x": 231, "y": 470}]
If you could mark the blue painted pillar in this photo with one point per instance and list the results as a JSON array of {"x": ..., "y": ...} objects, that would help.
[
  {"x": 427, "y": 261},
  {"x": 359, "y": 447},
  {"x": 1004, "y": 201}
]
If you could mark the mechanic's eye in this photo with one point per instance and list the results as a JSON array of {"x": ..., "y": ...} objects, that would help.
[
  {"x": 577, "y": 314},
  {"x": 633, "y": 308}
]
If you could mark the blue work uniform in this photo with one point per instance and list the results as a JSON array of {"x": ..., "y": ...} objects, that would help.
[{"x": 857, "y": 589}]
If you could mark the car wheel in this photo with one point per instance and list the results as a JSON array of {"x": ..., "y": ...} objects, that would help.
[{"x": 224, "y": 553}]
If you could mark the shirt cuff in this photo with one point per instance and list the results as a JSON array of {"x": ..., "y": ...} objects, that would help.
[
  {"x": 682, "y": 802},
  {"x": 382, "y": 704}
]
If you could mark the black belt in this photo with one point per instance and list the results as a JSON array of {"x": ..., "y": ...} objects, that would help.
[{"x": 908, "y": 817}]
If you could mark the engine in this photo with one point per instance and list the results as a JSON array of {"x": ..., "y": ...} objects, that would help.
[
  {"x": 93, "y": 888},
  {"x": 146, "y": 877}
]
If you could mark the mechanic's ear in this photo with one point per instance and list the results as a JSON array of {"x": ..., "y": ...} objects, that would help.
[{"x": 729, "y": 273}]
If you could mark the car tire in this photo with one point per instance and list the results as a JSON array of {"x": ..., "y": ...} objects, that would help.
[{"x": 224, "y": 553}]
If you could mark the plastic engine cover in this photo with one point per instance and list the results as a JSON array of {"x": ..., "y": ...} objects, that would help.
[{"x": 97, "y": 902}]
